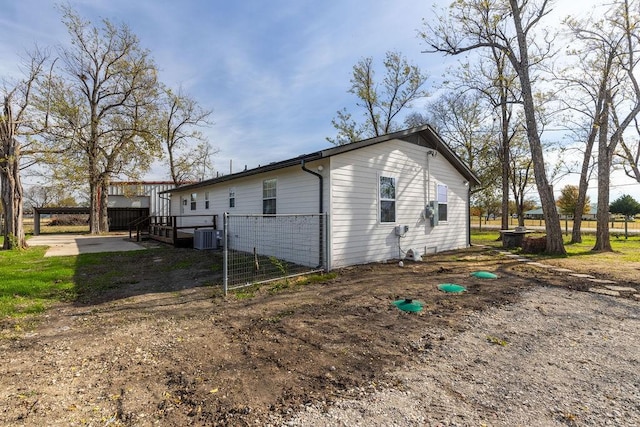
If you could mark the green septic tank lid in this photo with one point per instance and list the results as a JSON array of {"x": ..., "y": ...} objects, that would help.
[
  {"x": 484, "y": 275},
  {"x": 408, "y": 304},
  {"x": 451, "y": 288}
]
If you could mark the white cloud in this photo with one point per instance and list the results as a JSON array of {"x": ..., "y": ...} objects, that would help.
[{"x": 275, "y": 73}]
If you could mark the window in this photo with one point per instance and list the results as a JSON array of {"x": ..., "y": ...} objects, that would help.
[
  {"x": 442, "y": 202},
  {"x": 206, "y": 200},
  {"x": 387, "y": 199},
  {"x": 269, "y": 196},
  {"x": 232, "y": 197},
  {"x": 194, "y": 197}
]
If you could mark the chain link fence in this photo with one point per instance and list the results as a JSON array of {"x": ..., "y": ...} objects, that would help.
[{"x": 263, "y": 248}]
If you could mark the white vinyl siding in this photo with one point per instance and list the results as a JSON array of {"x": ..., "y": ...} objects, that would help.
[
  {"x": 356, "y": 234},
  {"x": 297, "y": 192},
  {"x": 352, "y": 199}
]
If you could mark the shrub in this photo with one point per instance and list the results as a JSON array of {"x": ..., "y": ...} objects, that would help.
[{"x": 61, "y": 220}]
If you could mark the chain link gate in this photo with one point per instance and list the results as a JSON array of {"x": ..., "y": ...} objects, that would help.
[{"x": 264, "y": 248}]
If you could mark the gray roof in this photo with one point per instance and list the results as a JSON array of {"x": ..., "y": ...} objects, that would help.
[
  {"x": 424, "y": 135},
  {"x": 537, "y": 211}
]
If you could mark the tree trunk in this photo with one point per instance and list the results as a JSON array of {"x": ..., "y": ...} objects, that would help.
[
  {"x": 506, "y": 161},
  {"x": 603, "y": 242},
  {"x": 520, "y": 209},
  {"x": 576, "y": 233},
  {"x": 94, "y": 211},
  {"x": 104, "y": 202},
  {"x": 12, "y": 204},
  {"x": 11, "y": 184},
  {"x": 555, "y": 244}
]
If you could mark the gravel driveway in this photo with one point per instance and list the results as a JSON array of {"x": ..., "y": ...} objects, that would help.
[{"x": 556, "y": 358}]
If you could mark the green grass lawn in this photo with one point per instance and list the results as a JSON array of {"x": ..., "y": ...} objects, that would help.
[
  {"x": 30, "y": 282},
  {"x": 628, "y": 248}
]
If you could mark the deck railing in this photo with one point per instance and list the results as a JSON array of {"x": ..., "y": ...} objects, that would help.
[
  {"x": 178, "y": 230},
  {"x": 139, "y": 226}
]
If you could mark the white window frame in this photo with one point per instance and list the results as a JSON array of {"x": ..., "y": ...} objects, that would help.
[
  {"x": 268, "y": 195},
  {"x": 442, "y": 195},
  {"x": 382, "y": 200},
  {"x": 194, "y": 201},
  {"x": 232, "y": 197},
  {"x": 206, "y": 200}
]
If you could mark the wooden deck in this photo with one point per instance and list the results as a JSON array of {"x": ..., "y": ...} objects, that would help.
[{"x": 176, "y": 230}]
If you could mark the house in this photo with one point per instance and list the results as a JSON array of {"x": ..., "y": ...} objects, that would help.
[
  {"x": 534, "y": 214},
  {"x": 383, "y": 196},
  {"x": 590, "y": 215}
]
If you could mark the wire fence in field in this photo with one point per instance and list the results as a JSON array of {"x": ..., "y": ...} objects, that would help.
[{"x": 262, "y": 248}]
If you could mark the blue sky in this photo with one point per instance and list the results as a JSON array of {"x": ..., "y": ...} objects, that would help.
[{"x": 273, "y": 72}]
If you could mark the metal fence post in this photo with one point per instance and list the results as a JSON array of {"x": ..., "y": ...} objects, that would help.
[{"x": 225, "y": 253}]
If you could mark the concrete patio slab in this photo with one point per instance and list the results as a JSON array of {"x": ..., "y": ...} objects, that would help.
[{"x": 75, "y": 244}]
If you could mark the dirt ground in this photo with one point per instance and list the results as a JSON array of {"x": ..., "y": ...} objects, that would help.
[{"x": 167, "y": 349}]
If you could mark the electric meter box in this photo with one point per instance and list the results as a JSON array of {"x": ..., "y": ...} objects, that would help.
[{"x": 401, "y": 230}]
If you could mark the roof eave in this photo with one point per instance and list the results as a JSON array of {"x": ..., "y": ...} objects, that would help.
[{"x": 255, "y": 171}]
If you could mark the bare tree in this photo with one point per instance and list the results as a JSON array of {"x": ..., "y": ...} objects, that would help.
[
  {"x": 14, "y": 125},
  {"x": 520, "y": 173},
  {"x": 610, "y": 48},
  {"x": 597, "y": 48},
  {"x": 465, "y": 120},
  {"x": 495, "y": 80},
  {"x": 103, "y": 102},
  {"x": 180, "y": 116},
  {"x": 42, "y": 195},
  {"x": 509, "y": 27},
  {"x": 629, "y": 154},
  {"x": 382, "y": 101}
]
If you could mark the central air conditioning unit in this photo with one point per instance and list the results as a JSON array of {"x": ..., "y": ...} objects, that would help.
[{"x": 207, "y": 239}]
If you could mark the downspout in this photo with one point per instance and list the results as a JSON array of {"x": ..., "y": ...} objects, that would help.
[
  {"x": 320, "y": 211},
  {"x": 429, "y": 154},
  {"x": 468, "y": 185}
]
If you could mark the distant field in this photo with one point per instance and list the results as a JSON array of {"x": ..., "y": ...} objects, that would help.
[{"x": 587, "y": 224}]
